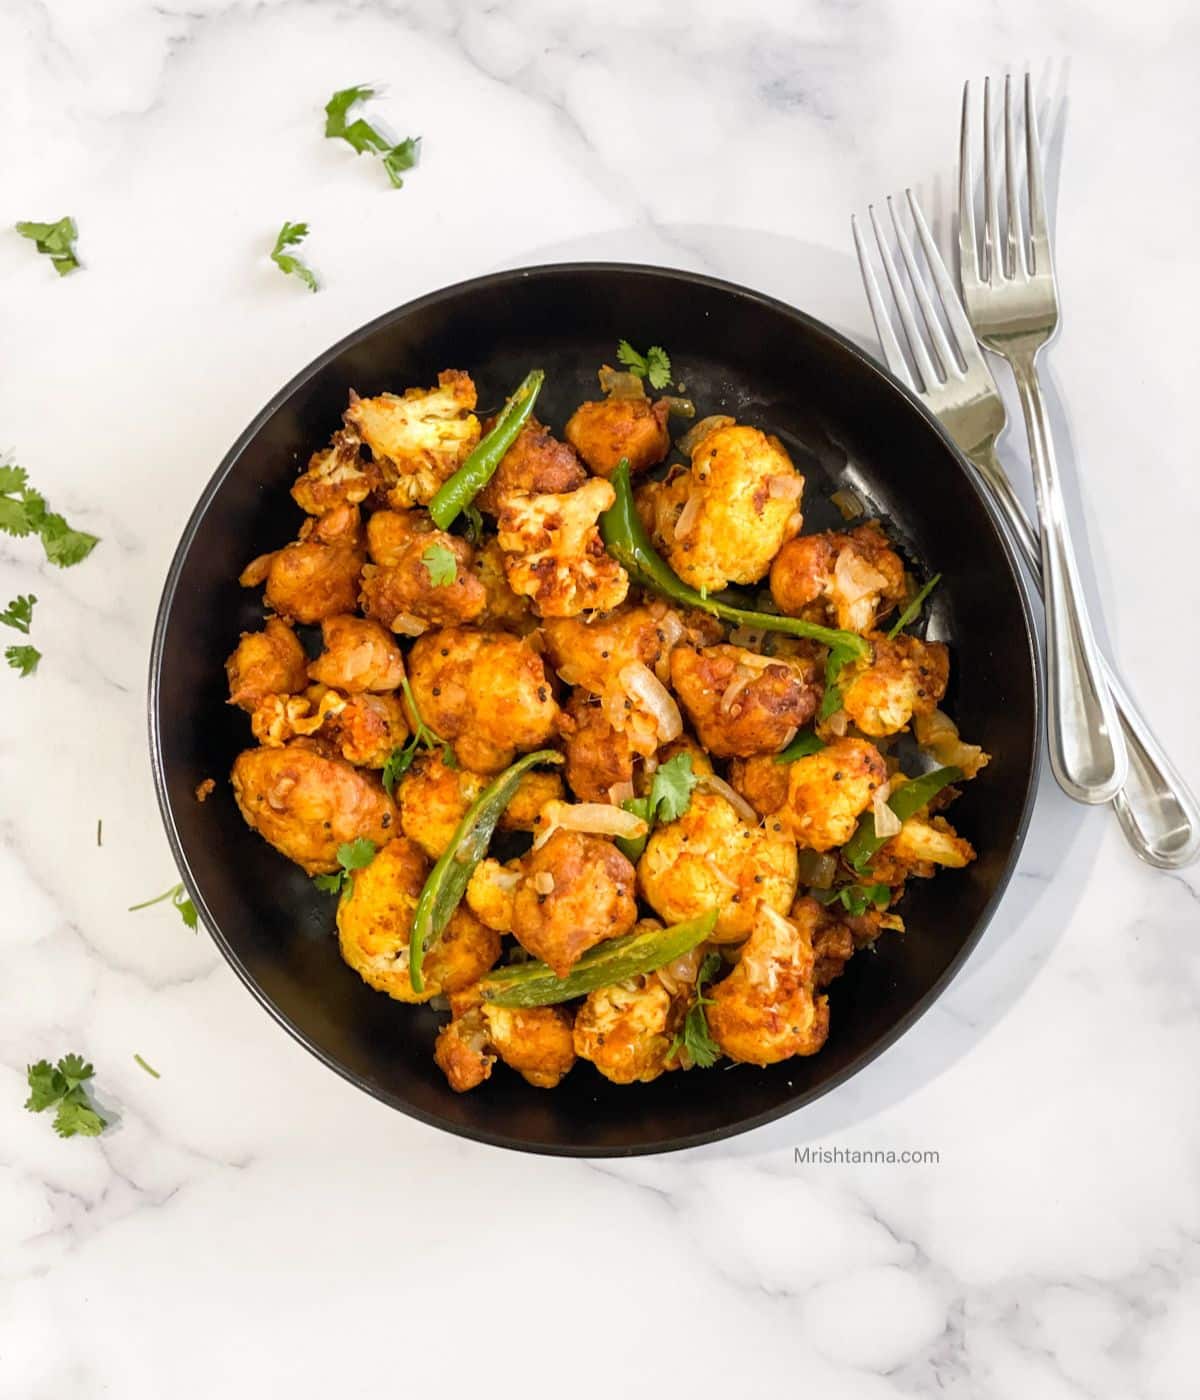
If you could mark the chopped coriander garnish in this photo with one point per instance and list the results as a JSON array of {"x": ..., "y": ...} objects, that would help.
[
  {"x": 62, "y": 1084},
  {"x": 19, "y": 613},
  {"x": 669, "y": 798},
  {"x": 401, "y": 760},
  {"x": 178, "y": 897},
  {"x": 654, "y": 365},
  {"x": 289, "y": 236},
  {"x": 55, "y": 241},
  {"x": 23, "y": 659},
  {"x": 363, "y": 137},
  {"x": 148, "y": 1068},
  {"x": 855, "y": 899},
  {"x": 352, "y": 855},
  {"x": 440, "y": 564},
  {"x": 23, "y": 511},
  {"x": 914, "y": 607},
  {"x": 696, "y": 1038},
  {"x": 805, "y": 743},
  {"x": 831, "y": 701}
]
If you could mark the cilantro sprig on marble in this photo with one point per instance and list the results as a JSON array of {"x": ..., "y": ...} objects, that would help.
[
  {"x": 365, "y": 138},
  {"x": 289, "y": 236},
  {"x": 55, "y": 240},
  {"x": 60, "y": 1087},
  {"x": 180, "y": 901},
  {"x": 24, "y": 511}
]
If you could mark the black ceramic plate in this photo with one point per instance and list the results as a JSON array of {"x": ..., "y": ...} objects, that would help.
[{"x": 738, "y": 353}]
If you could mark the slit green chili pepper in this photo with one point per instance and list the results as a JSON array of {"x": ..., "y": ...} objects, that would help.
[
  {"x": 457, "y": 493},
  {"x": 906, "y": 801},
  {"x": 626, "y": 540},
  {"x": 914, "y": 607},
  {"x": 533, "y": 984},
  {"x": 449, "y": 878}
]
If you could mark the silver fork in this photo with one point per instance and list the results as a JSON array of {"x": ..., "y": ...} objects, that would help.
[
  {"x": 1159, "y": 816},
  {"x": 1012, "y": 305}
]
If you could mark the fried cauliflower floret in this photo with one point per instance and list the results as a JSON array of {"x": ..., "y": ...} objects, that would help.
[
  {"x": 740, "y": 703},
  {"x": 849, "y": 580},
  {"x": 420, "y": 437},
  {"x": 711, "y": 859},
  {"x": 605, "y": 431},
  {"x": 337, "y": 476},
  {"x": 740, "y": 502},
  {"x": 431, "y": 583},
  {"x": 316, "y": 576},
  {"x": 270, "y": 662},
  {"x": 359, "y": 655},
  {"x": 486, "y": 692},
  {"x": 765, "y": 1010},
  {"x": 490, "y": 893},
  {"x": 838, "y": 937},
  {"x": 374, "y": 922},
  {"x": 598, "y": 757},
  {"x": 627, "y": 1030},
  {"x": 554, "y": 553},
  {"x": 761, "y": 781},
  {"x": 921, "y": 845},
  {"x": 591, "y": 653},
  {"x": 535, "y": 1041},
  {"x": 505, "y": 609},
  {"x": 434, "y": 798},
  {"x": 537, "y": 464},
  {"x": 575, "y": 891},
  {"x": 390, "y": 534},
  {"x": 363, "y": 729},
  {"x": 829, "y": 790},
  {"x": 905, "y": 677},
  {"x": 307, "y": 805}
]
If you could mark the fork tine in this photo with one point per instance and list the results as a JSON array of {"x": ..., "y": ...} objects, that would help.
[
  {"x": 1039, "y": 234},
  {"x": 941, "y": 346},
  {"x": 892, "y": 354},
  {"x": 1015, "y": 242},
  {"x": 993, "y": 270},
  {"x": 911, "y": 332},
  {"x": 968, "y": 253},
  {"x": 960, "y": 327}
]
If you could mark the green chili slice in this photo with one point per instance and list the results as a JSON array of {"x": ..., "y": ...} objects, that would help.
[
  {"x": 626, "y": 540},
  {"x": 449, "y": 877},
  {"x": 905, "y": 802},
  {"x": 533, "y": 983},
  {"x": 457, "y": 493},
  {"x": 914, "y": 607}
]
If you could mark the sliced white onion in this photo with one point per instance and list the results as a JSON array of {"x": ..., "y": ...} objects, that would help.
[
  {"x": 620, "y": 384},
  {"x": 596, "y": 818},
  {"x": 696, "y": 434},
  {"x": 855, "y": 577},
  {"x": 687, "y": 516},
  {"x": 837, "y": 723},
  {"x": 785, "y": 488},
  {"x": 682, "y": 408},
  {"x": 848, "y": 504},
  {"x": 709, "y": 782},
  {"x": 543, "y": 882},
  {"x": 742, "y": 676},
  {"x": 887, "y": 823},
  {"x": 747, "y": 636},
  {"x": 938, "y": 735},
  {"x": 621, "y": 792},
  {"x": 571, "y": 673},
  {"x": 505, "y": 880},
  {"x": 647, "y": 692},
  {"x": 777, "y": 921},
  {"x": 409, "y": 625}
]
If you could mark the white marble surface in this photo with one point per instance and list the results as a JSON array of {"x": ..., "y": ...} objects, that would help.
[{"x": 244, "y": 1229}]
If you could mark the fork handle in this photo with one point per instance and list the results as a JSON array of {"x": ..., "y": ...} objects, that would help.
[{"x": 1158, "y": 813}]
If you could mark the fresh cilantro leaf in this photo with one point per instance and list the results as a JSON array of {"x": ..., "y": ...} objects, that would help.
[
  {"x": 805, "y": 743},
  {"x": 696, "y": 1038},
  {"x": 63, "y": 1085},
  {"x": 46, "y": 1086},
  {"x": 19, "y": 613},
  {"x": 24, "y": 659},
  {"x": 289, "y": 236},
  {"x": 63, "y": 545},
  {"x": 855, "y": 899},
  {"x": 148, "y": 1068},
  {"x": 363, "y": 137},
  {"x": 55, "y": 241},
  {"x": 352, "y": 855},
  {"x": 654, "y": 365},
  {"x": 12, "y": 479},
  {"x": 179, "y": 898},
  {"x": 398, "y": 763},
  {"x": 671, "y": 789},
  {"x": 440, "y": 564},
  {"x": 424, "y": 737},
  {"x": 913, "y": 608},
  {"x": 23, "y": 511},
  {"x": 831, "y": 701},
  {"x": 14, "y": 517},
  {"x": 76, "y": 1116}
]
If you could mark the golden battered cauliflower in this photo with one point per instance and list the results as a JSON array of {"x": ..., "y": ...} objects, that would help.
[
  {"x": 486, "y": 692},
  {"x": 537, "y": 464},
  {"x": 554, "y": 553},
  {"x": 828, "y": 791},
  {"x": 338, "y": 476},
  {"x": 316, "y": 576},
  {"x": 505, "y": 609},
  {"x": 711, "y": 859},
  {"x": 430, "y": 582},
  {"x": 904, "y": 677},
  {"x": 848, "y": 580},
  {"x": 741, "y": 703},
  {"x": 535, "y": 1041},
  {"x": 605, "y": 431},
  {"x": 270, "y": 662},
  {"x": 765, "y": 1010},
  {"x": 306, "y": 805},
  {"x": 918, "y": 848},
  {"x": 725, "y": 519},
  {"x": 761, "y": 781},
  {"x": 599, "y": 758},
  {"x": 420, "y": 437},
  {"x": 359, "y": 655},
  {"x": 627, "y": 1030},
  {"x": 591, "y": 652},
  {"x": 374, "y": 921},
  {"x": 491, "y": 890},
  {"x": 363, "y": 729}
]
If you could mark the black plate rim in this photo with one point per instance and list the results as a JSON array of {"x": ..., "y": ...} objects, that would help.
[{"x": 686, "y": 280}]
